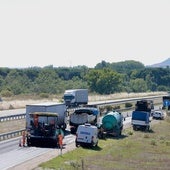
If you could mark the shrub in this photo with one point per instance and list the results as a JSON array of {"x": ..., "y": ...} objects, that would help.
[
  {"x": 130, "y": 133},
  {"x": 153, "y": 142},
  {"x": 44, "y": 95},
  {"x": 167, "y": 143},
  {"x": 116, "y": 107},
  {"x": 109, "y": 108},
  {"x": 6, "y": 93},
  {"x": 128, "y": 105},
  {"x": 146, "y": 136}
]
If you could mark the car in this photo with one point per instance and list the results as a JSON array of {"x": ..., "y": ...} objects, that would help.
[{"x": 158, "y": 114}]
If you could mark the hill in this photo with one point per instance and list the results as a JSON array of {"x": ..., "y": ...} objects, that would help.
[{"x": 163, "y": 64}]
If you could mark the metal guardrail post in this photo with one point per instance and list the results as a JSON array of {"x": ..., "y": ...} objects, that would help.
[
  {"x": 12, "y": 134},
  {"x": 12, "y": 117}
]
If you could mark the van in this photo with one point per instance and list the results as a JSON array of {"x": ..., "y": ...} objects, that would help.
[{"x": 86, "y": 135}]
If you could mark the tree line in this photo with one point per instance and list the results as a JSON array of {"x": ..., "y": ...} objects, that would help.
[{"x": 104, "y": 78}]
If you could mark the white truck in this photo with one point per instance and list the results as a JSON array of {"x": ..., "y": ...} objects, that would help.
[
  {"x": 44, "y": 121},
  {"x": 75, "y": 97},
  {"x": 86, "y": 135}
]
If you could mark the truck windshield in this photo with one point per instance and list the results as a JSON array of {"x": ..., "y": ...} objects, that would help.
[
  {"x": 88, "y": 111},
  {"x": 68, "y": 97}
]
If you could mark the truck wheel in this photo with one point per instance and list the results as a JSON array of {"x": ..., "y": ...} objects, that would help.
[
  {"x": 96, "y": 144},
  {"x": 77, "y": 145},
  {"x": 134, "y": 128},
  {"x": 100, "y": 135},
  {"x": 65, "y": 126},
  {"x": 147, "y": 128},
  {"x": 28, "y": 142}
]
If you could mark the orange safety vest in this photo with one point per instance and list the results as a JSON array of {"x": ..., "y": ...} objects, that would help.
[
  {"x": 60, "y": 139},
  {"x": 23, "y": 138},
  {"x": 36, "y": 120}
]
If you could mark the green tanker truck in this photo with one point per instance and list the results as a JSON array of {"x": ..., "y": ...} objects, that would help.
[{"x": 111, "y": 124}]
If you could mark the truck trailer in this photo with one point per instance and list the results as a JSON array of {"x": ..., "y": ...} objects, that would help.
[
  {"x": 141, "y": 120},
  {"x": 83, "y": 115},
  {"x": 43, "y": 123},
  {"x": 75, "y": 97},
  {"x": 111, "y": 124}
]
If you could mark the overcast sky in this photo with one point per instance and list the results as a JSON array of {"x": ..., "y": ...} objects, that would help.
[{"x": 83, "y": 32}]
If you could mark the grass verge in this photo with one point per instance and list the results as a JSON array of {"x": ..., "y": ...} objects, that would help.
[{"x": 134, "y": 150}]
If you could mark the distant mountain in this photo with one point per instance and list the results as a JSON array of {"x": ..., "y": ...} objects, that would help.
[{"x": 163, "y": 64}]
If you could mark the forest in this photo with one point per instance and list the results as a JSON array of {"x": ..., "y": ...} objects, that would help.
[{"x": 105, "y": 78}]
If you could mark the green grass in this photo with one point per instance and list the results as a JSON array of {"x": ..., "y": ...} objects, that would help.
[{"x": 135, "y": 150}]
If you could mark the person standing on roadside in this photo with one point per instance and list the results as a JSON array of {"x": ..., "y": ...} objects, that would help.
[
  {"x": 60, "y": 142},
  {"x": 22, "y": 141}
]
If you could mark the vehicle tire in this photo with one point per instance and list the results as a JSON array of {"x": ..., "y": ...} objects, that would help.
[
  {"x": 77, "y": 145},
  {"x": 28, "y": 142},
  {"x": 65, "y": 126},
  {"x": 147, "y": 128},
  {"x": 134, "y": 128},
  {"x": 96, "y": 144},
  {"x": 120, "y": 133}
]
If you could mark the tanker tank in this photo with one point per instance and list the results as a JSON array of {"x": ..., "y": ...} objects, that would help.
[{"x": 111, "y": 124}]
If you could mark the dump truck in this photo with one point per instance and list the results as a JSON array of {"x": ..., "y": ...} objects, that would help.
[
  {"x": 83, "y": 115},
  {"x": 111, "y": 124},
  {"x": 144, "y": 105},
  {"x": 75, "y": 97},
  {"x": 141, "y": 120},
  {"x": 43, "y": 123},
  {"x": 141, "y": 116}
]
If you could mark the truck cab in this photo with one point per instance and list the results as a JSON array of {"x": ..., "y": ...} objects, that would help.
[
  {"x": 42, "y": 129},
  {"x": 75, "y": 97}
]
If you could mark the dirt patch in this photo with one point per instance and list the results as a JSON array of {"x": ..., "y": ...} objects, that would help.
[{"x": 17, "y": 104}]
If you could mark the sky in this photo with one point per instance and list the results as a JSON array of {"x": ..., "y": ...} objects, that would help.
[{"x": 83, "y": 32}]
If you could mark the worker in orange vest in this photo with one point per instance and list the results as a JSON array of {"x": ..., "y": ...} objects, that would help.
[
  {"x": 23, "y": 138},
  {"x": 60, "y": 142}
]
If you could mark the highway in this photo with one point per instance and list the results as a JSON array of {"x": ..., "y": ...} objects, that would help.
[
  {"x": 98, "y": 103},
  {"x": 12, "y": 155}
]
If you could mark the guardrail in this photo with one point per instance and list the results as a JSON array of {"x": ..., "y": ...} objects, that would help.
[
  {"x": 12, "y": 117},
  {"x": 12, "y": 134}
]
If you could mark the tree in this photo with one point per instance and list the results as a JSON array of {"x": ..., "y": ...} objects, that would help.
[
  {"x": 17, "y": 82},
  {"x": 138, "y": 85},
  {"x": 46, "y": 81},
  {"x": 104, "y": 81}
]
